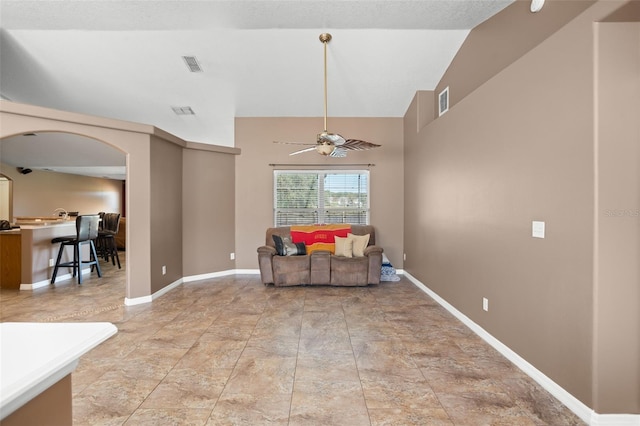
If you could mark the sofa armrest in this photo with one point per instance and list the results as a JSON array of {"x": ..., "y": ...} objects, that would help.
[
  {"x": 267, "y": 250},
  {"x": 374, "y": 253},
  {"x": 265, "y": 262},
  {"x": 372, "y": 249}
]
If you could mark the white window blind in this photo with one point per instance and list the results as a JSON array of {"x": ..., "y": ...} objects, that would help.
[{"x": 304, "y": 197}]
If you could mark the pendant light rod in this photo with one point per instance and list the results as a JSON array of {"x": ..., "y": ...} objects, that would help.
[{"x": 325, "y": 38}]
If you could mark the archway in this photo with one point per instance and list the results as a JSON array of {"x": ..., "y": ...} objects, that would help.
[
  {"x": 59, "y": 172},
  {"x": 133, "y": 141}
]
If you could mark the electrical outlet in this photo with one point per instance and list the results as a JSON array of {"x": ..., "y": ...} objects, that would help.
[
  {"x": 164, "y": 269},
  {"x": 485, "y": 304},
  {"x": 404, "y": 256},
  {"x": 51, "y": 263},
  {"x": 232, "y": 256}
]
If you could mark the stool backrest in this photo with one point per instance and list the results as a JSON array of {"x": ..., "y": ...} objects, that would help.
[
  {"x": 111, "y": 222},
  {"x": 87, "y": 227},
  {"x": 100, "y": 224}
]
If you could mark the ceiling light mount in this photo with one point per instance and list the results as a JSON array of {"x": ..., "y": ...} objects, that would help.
[{"x": 325, "y": 38}]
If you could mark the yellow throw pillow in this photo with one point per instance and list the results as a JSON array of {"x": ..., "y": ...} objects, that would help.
[
  {"x": 360, "y": 242},
  {"x": 344, "y": 247}
]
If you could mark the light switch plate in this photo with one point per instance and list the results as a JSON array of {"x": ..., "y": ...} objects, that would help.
[{"x": 537, "y": 229}]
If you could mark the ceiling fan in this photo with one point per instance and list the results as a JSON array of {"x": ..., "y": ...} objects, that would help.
[{"x": 331, "y": 144}]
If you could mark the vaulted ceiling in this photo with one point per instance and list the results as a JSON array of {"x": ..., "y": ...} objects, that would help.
[{"x": 259, "y": 58}]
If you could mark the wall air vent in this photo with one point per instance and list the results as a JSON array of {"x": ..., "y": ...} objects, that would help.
[
  {"x": 183, "y": 110},
  {"x": 192, "y": 63}
]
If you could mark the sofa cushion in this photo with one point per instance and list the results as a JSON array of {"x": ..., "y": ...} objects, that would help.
[
  {"x": 349, "y": 271},
  {"x": 360, "y": 243},
  {"x": 291, "y": 270}
]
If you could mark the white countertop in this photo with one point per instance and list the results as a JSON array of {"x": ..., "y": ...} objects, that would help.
[
  {"x": 34, "y": 356},
  {"x": 44, "y": 224}
]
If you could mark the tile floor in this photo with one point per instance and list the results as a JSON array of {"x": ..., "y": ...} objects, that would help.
[{"x": 229, "y": 351}]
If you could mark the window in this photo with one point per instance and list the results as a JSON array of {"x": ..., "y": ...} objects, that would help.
[{"x": 308, "y": 197}]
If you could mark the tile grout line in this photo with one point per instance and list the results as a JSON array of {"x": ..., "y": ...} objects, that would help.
[
  {"x": 295, "y": 372},
  {"x": 355, "y": 359}
]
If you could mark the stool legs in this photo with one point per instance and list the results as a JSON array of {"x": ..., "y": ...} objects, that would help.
[
  {"x": 55, "y": 270},
  {"x": 93, "y": 260},
  {"x": 77, "y": 262},
  {"x": 107, "y": 249},
  {"x": 114, "y": 252}
]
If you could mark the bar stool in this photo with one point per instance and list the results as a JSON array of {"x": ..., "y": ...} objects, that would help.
[
  {"x": 107, "y": 237},
  {"x": 86, "y": 232}
]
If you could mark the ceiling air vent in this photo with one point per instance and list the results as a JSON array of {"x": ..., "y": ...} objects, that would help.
[
  {"x": 183, "y": 110},
  {"x": 192, "y": 63}
]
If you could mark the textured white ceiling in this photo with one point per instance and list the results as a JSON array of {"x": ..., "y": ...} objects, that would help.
[{"x": 122, "y": 59}]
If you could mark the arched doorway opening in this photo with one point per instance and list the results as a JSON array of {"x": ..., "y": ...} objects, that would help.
[
  {"x": 153, "y": 176},
  {"x": 51, "y": 169}
]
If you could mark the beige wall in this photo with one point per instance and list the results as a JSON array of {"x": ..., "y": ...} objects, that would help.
[
  {"x": 208, "y": 212},
  {"x": 617, "y": 250},
  {"x": 254, "y": 175},
  {"x": 40, "y": 192},
  {"x": 518, "y": 148},
  {"x": 166, "y": 212},
  {"x": 487, "y": 51}
]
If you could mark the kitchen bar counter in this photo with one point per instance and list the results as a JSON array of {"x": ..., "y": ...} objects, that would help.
[
  {"x": 37, "y": 252},
  {"x": 10, "y": 259},
  {"x": 36, "y": 361}
]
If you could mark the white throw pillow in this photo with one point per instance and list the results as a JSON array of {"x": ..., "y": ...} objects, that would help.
[{"x": 360, "y": 242}]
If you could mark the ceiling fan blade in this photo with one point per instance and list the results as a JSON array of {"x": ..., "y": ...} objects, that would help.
[
  {"x": 358, "y": 145},
  {"x": 338, "y": 152},
  {"x": 294, "y": 143},
  {"x": 313, "y": 148}
]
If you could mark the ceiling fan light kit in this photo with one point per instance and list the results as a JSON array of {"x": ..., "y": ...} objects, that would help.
[{"x": 332, "y": 144}]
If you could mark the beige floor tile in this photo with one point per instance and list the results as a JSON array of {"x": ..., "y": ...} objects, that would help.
[
  {"x": 189, "y": 388},
  {"x": 230, "y": 351},
  {"x": 249, "y": 409},
  {"x": 414, "y": 417},
  {"x": 169, "y": 416}
]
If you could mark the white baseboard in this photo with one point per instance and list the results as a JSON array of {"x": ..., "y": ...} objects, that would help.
[
  {"x": 47, "y": 282},
  {"x": 151, "y": 298},
  {"x": 247, "y": 271},
  {"x": 572, "y": 403},
  {"x": 207, "y": 276},
  {"x": 42, "y": 283},
  {"x": 220, "y": 274}
]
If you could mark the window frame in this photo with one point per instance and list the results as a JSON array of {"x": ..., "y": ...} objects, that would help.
[{"x": 322, "y": 212}]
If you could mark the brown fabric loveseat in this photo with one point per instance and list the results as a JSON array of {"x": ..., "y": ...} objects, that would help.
[{"x": 320, "y": 267}]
